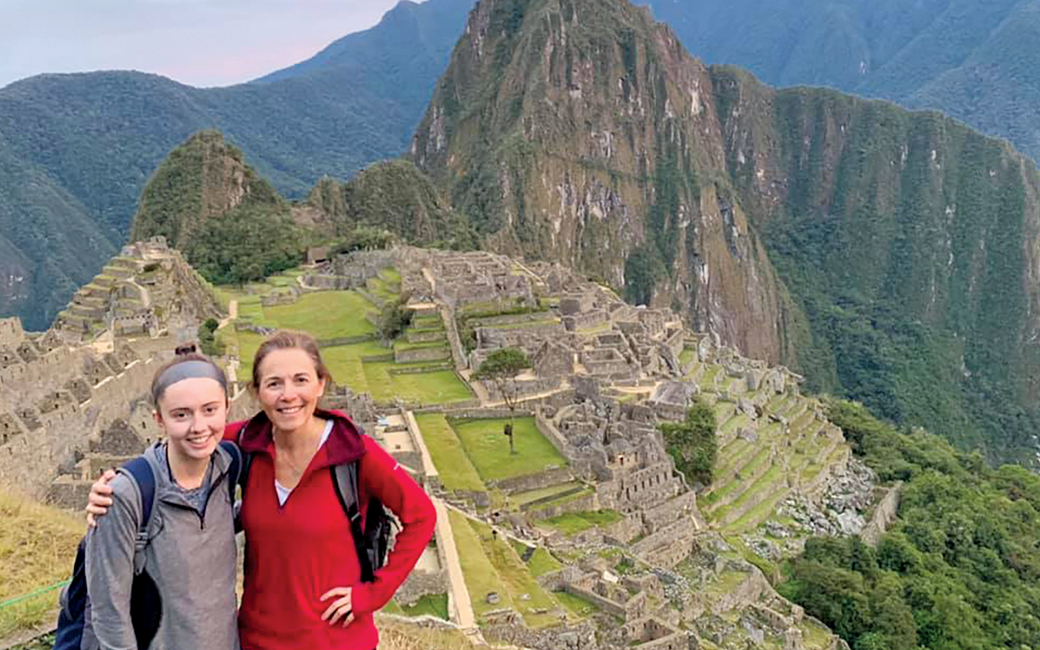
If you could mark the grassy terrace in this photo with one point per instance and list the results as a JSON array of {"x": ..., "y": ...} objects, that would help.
[
  {"x": 492, "y": 565},
  {"x": 488, "y": 448},
  {"x": 449, "y": 457},
  {"x": 533, "y": 495},
  {"x": 576, "y": 522},
  {"x": 339, "y": 314}
]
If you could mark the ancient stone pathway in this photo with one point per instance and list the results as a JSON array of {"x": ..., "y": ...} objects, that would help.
[{"x": 459, "y": 605}]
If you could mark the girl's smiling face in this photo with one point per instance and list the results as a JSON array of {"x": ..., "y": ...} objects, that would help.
[{"x": 192, "y": 413}]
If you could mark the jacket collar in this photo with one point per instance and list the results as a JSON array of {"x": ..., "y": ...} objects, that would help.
[{"x": 344, "y": 445}]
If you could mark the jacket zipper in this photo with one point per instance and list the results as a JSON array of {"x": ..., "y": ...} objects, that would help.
[{"x": 218, "y": 481}]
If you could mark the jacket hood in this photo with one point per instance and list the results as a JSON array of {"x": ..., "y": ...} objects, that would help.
[{"x": 344, "y": 445}]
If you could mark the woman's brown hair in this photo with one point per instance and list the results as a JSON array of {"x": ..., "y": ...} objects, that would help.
[
  {"x": 165, "y": 375},
  {"x": 290, "y": 340}
]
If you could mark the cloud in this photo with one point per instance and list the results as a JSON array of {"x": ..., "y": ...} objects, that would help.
[{"x": 199, "y": 42}]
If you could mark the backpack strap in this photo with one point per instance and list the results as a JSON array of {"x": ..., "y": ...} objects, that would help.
[
  {"x": 234, "y": 468},
  {"x": 345, "y": 478},
  {"x": 141, "y": 471}
]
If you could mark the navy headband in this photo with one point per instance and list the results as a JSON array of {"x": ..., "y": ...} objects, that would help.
[{"x": 191, "y": 369}]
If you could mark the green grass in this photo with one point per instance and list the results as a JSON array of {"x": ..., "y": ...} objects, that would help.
[
  {"x": 577, "y": 605},
  {"x": 404, "y": 345},
  {"x": 542, "y": 562},
  {"x": 325, "y": 315},
  {"x": 390, "y": 275},
  {"x": 480, "y": 575},
  {"x": 453, "y": 465},
  {"x": 521, "y": 498},
  {"x": 433, "y": 605},
  {"x": 576, "y": 522},
  {"x": 514, "y": 575},
  {"x": 488, "y": 447},
  {"x": 687, "y": 355}
]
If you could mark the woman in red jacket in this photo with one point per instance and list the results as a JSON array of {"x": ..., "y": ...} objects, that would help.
[{"x": 303, "y": 585}]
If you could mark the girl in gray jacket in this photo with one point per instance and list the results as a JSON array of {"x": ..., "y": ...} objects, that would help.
[{"x": 190, "y": 555}]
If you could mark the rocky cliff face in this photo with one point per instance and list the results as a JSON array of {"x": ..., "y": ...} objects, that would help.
[
  {"x": 889, "y": 255},
  {"x": 581, "y": 131}
]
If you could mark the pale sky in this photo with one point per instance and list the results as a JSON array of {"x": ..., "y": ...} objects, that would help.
[{"x": 197, "y": 42}]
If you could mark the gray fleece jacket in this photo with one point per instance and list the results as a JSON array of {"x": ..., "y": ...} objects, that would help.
[{"x": 191, "y": 557}]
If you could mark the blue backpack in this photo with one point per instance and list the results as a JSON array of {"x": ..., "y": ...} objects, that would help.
[{"x": 145, "y": 601}]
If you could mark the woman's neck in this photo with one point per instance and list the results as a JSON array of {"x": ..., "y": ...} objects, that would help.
[
  {"x": 301, "y": 438},
  {"x": 189, "y": 473}
]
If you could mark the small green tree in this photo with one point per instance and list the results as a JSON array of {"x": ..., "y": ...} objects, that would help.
[
  {"x": 501, "y": 368},
  {"x": 394, "y": 319},
  {"x": 208, "y": 339},
  {"x": 692, "y": 443}
]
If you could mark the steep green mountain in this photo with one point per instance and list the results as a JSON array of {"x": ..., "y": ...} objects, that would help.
[
  {"x": 973, "y": 60},
  {"x": 888, "y": 255},
  {"x": 395, "y": 196},
  {"x": 568, "y": 128},
  {"x": 90, "y": 141},
  {"x": 229, "y": 223}
]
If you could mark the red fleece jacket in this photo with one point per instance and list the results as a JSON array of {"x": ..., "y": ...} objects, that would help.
[{"x": 297, "y": 552}]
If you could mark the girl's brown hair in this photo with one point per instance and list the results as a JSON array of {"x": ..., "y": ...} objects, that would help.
[
  {"x": 161, "y": 380},
  {"x": 290, "y": 340}
]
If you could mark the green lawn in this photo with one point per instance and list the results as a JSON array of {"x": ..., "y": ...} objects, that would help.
[
  {"x": 521, "y": 498},
  {"x": 577, "y": 605},
  {"x": 450, "y": 459},
  {"x": 575, "y": 522},
  {"x": 434, "y": 605},
  {"x": 325, "y": 315},
  {"x": 514, "y": 575},
  {"x": 488, "y": 447},
  {"x": 477, "y": 570},
  {"x": 542, "y": 562}
]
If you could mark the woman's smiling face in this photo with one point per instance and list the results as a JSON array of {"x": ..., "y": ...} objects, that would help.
[
  {"x": 192, "y": 413},
  {"x": 289, "y": 388}
]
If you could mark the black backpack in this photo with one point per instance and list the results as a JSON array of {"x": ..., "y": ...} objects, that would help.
[
  {"x": 372, "y": 541},
  {"x": 145, "y": 601}
]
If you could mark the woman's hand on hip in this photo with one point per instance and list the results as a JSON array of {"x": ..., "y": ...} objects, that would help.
[{"x": 340, "y": 609}]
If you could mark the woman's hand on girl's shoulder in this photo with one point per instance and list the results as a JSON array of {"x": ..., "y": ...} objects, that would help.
[{"x": 100, "y": 499}]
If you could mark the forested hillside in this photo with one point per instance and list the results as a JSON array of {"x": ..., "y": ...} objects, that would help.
[
  {"x": 976, "y": 61},
  {"x": 961, "y": 567},
  {"x": 89, "y": 142}
]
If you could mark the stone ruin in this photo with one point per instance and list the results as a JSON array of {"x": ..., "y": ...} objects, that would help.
[{"x": 146, "y": 290}]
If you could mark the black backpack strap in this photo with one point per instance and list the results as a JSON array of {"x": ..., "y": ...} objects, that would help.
[
  {"x": 141, "y": 470},
  {"x": 345, "y": 478}
]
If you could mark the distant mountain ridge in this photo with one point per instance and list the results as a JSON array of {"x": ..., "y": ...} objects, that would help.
[
  {"x": 78, "y": 149},
  {"x": 975, "y": 61}
]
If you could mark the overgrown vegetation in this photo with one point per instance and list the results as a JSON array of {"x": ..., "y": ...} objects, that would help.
[
  {"x": 211, "y": 346},
  {"x": 692, "y": 443},
  {"x": 959, "y": 570},
  {"x": 394, "y": 318}
]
